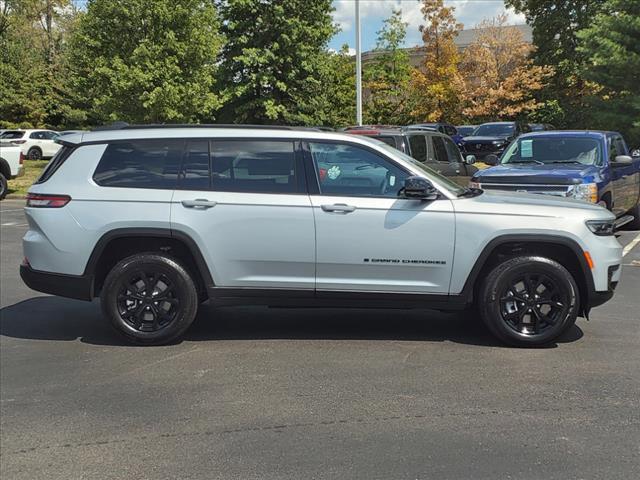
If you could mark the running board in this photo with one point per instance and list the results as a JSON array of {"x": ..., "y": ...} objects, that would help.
[{"x": 622, "y": 221}]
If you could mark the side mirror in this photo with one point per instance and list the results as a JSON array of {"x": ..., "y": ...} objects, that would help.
[
  {"x": 470, "y": 159},
  {"x": 622, "y": 160},
  {"x": 418, "y": 188},
  {"x": 491, "y": 159}
]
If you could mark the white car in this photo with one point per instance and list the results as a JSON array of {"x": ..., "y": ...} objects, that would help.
[
  {"x": 156, "y": 220},
  {"x": 11, "y": 166},
  {"x": 34, "y": 144}
]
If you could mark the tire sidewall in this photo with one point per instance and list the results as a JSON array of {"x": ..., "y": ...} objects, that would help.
[
  {"x": 4, "y": 186},
  {"x": 185, "y": 289},
  {"x": 500, "y": 278},
  {"x": 36, "y": 151}
]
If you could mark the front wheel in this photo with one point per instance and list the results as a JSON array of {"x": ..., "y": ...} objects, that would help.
[
  {"x": 149, "y": 298},
  {"x": 529, "y": 301}
]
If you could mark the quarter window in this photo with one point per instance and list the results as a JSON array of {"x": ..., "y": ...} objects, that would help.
[
  {"x": 140, "y": 164},
  {"x": 347, "y": 170}
]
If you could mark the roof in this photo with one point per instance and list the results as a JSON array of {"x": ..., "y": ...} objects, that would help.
[{"x": 570, "y": 133}]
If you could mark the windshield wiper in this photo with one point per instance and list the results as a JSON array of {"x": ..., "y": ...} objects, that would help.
[{"x": 528, "y": 161}]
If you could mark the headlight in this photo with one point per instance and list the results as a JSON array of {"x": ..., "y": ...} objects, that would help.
[
  {"x": 474, "y": 184},
  {"x": 499, "y": 142},
  {"x": 584, "y": 191},
  {"x": 602, "y": 228}
]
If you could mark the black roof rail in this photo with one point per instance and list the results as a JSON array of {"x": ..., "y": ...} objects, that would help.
[{"x": 126, "y": 126}]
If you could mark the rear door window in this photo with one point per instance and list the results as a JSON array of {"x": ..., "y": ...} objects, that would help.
[
  {"x": 12, "y": 135},
  {"x": 140, "y": 164},
  {"x": 418, "y": 146},
  {"x": 196, "y": 166},
  {"x": 259, "y": 166}
]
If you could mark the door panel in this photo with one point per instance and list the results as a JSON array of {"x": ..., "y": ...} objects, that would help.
[
  {"x": 242, "y": 203},
  {"x": 367, "y": 238},
  {"x": 384, "y": 244}
]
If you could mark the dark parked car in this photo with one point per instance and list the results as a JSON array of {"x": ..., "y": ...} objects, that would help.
[
  {"x": 466, "y": 130},
  {"x": 441, "y": 127},
  {"x": 492, "y": 138},
  {"x": 434, "y": 149},
  {"x": 541, "y": 127}
]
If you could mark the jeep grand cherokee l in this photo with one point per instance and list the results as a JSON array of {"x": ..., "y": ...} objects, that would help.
[{"x": 156, "y": 220}]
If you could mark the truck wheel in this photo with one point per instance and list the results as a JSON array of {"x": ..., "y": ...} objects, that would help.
[
  {"x": 4, "y": 186},
  {"x": 34, "y": 153},
  {"x": 635, "y": 224},
  {"x": 149, "y": 298},
  {"x": 529, "y": 301}
]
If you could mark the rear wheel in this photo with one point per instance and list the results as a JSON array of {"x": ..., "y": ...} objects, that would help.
[
  {"x": 4, "y": 186},
  {"x": 149, "y": 298},
  {"x": 635, "y": 211},
  {"x": 34, "y": 153},
  {"x": 529, "y": 301}
]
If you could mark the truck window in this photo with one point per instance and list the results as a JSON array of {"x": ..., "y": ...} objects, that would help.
[{"x": 418, "y": 146}]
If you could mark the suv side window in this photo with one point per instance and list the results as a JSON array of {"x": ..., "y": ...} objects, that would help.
[
  {"x": 350, "y": 170},
  {"x": 195, "y": 170},
  {"x": 259, "y": 166},
  {"x": 140, "y": 164},
  {"x": 453, "y": 152},
  {"x": 440, "y": 148},
  {"x": 418, "y": 145},
  {"x": 37, "y": 135}
]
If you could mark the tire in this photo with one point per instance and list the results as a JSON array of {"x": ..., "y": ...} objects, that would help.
[
  {"x": 517, "y": 319},
  {"x": 34, "y": 153},
  {"x": 146, "y": 317},
  {"x": 4, "y": 186}
]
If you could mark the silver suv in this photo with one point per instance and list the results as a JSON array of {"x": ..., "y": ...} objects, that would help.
[{"x": 156, "y": 220}]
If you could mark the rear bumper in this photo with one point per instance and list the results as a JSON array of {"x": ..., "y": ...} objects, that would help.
[{"x": 71, "y": 286}]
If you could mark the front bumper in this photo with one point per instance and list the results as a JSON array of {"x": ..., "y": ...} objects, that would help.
[{"x": 72, "y": 286}]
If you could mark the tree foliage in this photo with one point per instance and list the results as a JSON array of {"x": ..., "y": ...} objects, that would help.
[
  {"x": 501, "y": 79},
  {"x": 556, "y": 24},
  {"x": 387, "y": 76},
  {"x": 611, "y": 47},
  {"x": 274, "y": 59},
  {"x": 142, "y": 61},
  {"x": 437, "y": 83}
]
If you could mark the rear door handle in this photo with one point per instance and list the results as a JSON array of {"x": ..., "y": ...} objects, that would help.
[
  {"x": 199, "y": 203},
  {"x": 338, "y": 208}
]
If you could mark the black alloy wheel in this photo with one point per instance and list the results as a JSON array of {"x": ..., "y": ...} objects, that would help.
[
  {"x": 150, "y": 298},
  {"x": 529, "y": 300},
  {"x": 533, "y": 303},
  {"x": 34, "y": 154},
  {"x": 147, "y": 300}
]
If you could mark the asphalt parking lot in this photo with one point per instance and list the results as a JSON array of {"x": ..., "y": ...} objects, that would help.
[{"x": 274, "y": 393}]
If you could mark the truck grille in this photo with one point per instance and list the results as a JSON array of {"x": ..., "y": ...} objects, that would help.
[
  {"x": 480, "y": 147},
  {"x": 556, "y": 190}
]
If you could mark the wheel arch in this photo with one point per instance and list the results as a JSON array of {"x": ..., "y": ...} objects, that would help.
[
  {"x": 117, "y": 244},
  {"x": 564, "y": 250}
]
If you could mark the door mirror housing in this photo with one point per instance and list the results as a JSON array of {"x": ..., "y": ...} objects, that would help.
[
  {"x": 470, "y": 159},
  {"x": 418, "y": 188},
  {"x": 622, "y": 160},
  {"x": 491, "y": 159}
]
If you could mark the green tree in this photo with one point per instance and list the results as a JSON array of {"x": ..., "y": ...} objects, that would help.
[
  {"x": 274, "y": 60},
  {"x": 556, "y": 24},
  {"x": 142, "y": 61},
  {"x": 387, "y": 75},
  {"x": 337, "y": 105},
  {"x": 438, "y": 83},
  {"x": 611, "y": 46}
]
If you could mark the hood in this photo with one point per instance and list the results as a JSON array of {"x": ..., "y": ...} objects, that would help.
[
  {"x": 550, "y": 174},
  {"x": 486, "y": 139}
]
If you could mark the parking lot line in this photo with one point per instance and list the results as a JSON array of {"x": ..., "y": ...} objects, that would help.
[{"x": 630, "y": 246}]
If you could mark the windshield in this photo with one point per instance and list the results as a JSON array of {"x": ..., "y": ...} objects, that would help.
[
  {"x": 443, "y": 181},
  {"x": 465, "y": 131},
  {"x": 494, "y": 130},
  {"x": 585, "y": 151}
]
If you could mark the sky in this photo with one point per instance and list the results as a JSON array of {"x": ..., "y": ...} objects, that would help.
[{"x": 373, "y": 12}]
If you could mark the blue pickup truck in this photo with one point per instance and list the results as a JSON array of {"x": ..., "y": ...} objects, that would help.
[{"x": 588, "y": 165}]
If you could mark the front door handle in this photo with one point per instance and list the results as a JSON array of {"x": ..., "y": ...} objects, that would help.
[
  {"x": 199, "y": 203},
  {"x": 338, "y": 208}
]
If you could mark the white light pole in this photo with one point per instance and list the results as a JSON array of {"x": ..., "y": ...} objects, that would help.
[{"x": 358, "y": 68}]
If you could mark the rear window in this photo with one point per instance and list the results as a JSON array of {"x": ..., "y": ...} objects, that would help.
[
  {"x": 388, "y": 140},
  {"x": 12, "y": 134},
  {"x": 140, "y": 164}
]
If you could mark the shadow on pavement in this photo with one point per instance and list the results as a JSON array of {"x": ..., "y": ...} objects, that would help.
[{"x": 60, "y": 319}]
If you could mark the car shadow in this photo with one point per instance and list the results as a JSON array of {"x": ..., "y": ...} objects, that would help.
[{"x": 60, "y": 319}]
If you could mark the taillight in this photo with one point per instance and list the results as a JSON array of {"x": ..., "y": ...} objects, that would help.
[
  {"x": 36, "y": 200},
  {"x": 21, "y": 160},
  {"x": 18, "y": 142}
]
